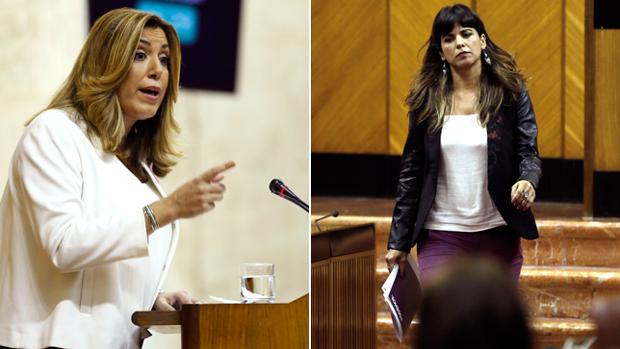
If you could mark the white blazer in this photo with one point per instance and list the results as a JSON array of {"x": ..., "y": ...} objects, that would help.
[{"x": 73, "y": 242}]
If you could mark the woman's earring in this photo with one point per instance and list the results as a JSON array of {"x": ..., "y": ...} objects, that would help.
[
  {"x": 486, "y": 57},
  {"x": 444, "y": 69}
]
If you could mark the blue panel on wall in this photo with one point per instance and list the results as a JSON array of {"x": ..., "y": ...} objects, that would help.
[
  {"x": 183, "y": 17},
  {"x": 209, "y": 34}
]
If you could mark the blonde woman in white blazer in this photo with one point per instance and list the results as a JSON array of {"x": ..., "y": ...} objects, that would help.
[{"x": 87, "y": 233}]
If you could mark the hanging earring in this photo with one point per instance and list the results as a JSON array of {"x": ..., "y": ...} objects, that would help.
[
  {"x": 486, "y": 57},
  {"x": 444, "y": 69}
]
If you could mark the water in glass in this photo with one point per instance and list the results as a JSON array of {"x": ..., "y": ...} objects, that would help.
[{"x": 257, "y": 288}]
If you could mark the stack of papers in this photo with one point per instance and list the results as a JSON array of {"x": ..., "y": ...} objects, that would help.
[
  {"x": 403, "y": 295},
  {"x": 222, "y": 300}
]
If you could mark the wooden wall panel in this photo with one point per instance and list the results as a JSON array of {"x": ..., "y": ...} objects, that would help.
[
  {"x": 322, "y": 329},
  {"x": 532, "y": 31},
  {"x": 607, "y": 101},
  {"x": 574, "y": 75},
  {"x": 410, "y": 28},
  {"x": 349, "y": 76},
  {"x": 354, "y": 293}
]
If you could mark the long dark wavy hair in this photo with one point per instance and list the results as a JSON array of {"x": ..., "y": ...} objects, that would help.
[{"x": 430, "y": 96}]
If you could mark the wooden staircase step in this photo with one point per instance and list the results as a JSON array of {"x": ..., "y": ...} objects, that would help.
[
  {"x": 574, "y": 263},
  {"x": 548, "y": 332},
  {"x": 553, "y": 292},
  {"x": 552, "y": 276},
  {"x": 360, "y": 206},
  {"x": 567, "y": 292},
  {"x": 562, "y": 228},
  {"x": 561, "y": 242},
  {"x": 599, "y": 277}
]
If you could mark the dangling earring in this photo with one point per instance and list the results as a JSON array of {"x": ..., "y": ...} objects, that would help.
[
  {"x": 444, "y": 69},
  {"x": 486, "y": 57}
]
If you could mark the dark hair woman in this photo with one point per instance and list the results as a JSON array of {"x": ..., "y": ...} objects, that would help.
[{"x": 470, "y": 166}]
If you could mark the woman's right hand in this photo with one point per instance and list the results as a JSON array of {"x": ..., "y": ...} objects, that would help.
[
  {"x": 394, "y": 257},
  {"x": 195, "y": 197}
]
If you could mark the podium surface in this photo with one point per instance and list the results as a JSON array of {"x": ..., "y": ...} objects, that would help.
[{"x": 257, "y": 325}]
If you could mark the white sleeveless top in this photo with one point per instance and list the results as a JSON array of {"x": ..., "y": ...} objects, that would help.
[{"x": 462, "y": 201}]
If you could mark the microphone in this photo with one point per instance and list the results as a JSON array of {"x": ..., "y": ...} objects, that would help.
[
  {"x": 334, "y": 214},
  {"x": 277, "y": 187}
]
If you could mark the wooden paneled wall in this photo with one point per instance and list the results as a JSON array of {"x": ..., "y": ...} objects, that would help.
[
  {"x": 532, "y": 31},
  {"x": 353, "y": 111},
  {"x": 349, "y": 68},
  {"x": 574, "y": 79},
  {"x": 607, "y": 101}
]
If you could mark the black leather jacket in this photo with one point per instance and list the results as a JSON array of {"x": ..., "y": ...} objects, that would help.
[{"x": 512, "y": 156}]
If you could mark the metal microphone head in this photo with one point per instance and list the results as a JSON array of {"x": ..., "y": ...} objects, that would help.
[
  {"x": 280, "y": 189},
  {"x": 275, "y": 185}
]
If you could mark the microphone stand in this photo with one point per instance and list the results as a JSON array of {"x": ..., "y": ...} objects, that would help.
[{"x": 334, "y": 214}]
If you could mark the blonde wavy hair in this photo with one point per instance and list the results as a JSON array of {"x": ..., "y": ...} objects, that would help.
[
  {"x": 90, "y": 90},
  {"x": 430, "y": 97}
]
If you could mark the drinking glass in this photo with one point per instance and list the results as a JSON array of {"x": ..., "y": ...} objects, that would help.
[{"x": 257, "y": 283}]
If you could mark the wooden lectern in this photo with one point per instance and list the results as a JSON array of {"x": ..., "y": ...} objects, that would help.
[
  {"x": 343, "y": 287},
  {"x": 235, "y": 325}
]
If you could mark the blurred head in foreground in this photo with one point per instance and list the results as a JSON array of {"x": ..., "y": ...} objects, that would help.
[
  {"x": 606, "y": 315},
  {"x": 472, "y": 303}
]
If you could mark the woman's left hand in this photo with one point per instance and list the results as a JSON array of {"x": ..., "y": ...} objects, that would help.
[
  {"x": 523, "y": 195},
  {"x": 171, "y": 301}
]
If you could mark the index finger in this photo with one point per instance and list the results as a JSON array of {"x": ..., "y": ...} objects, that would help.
[{"x": 214, "y": 171}]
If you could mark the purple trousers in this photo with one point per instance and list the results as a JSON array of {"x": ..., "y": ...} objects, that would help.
[{"x": 436, "y": 248}]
